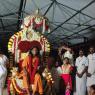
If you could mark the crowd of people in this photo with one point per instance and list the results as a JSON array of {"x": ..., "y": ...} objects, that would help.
[
  {"x": 54, "y": 77},
  {"x": 84, "y": 74}
]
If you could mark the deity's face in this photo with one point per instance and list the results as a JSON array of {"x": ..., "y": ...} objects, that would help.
[{"x": 34, "y": 51}]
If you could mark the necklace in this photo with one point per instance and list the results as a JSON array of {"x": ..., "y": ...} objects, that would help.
[{"x": 66, "y": 69}]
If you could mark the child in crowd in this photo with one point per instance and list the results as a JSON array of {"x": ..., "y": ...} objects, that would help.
[{"x": 92, "y": 90}]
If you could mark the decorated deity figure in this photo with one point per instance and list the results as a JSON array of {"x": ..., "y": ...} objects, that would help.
[
  {"x": 17, "y": 84},
  {"x": 25, "y": 45}
]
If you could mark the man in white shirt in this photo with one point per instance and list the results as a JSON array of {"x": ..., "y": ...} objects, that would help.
[
  {"x": 81, "y": 66},
  {"x": 3, "y": 71},
  {"x": 91, "y": 69}
]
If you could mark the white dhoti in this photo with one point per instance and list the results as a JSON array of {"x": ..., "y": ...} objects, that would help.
[
  {"x": 81, "y": 85},
  {"x": 3, "y": 73},
  {"x": 1, "y": 91},
  {"x": 91, "y": 70},
  {"x": 2, "y": 82}
]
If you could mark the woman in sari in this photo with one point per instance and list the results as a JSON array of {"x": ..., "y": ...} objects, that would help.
[{"x": 65, "y": 73}]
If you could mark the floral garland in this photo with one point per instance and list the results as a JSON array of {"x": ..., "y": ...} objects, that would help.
[
  {"x": 17, "y": 88},
  {"x": 25, "y": 46}
]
